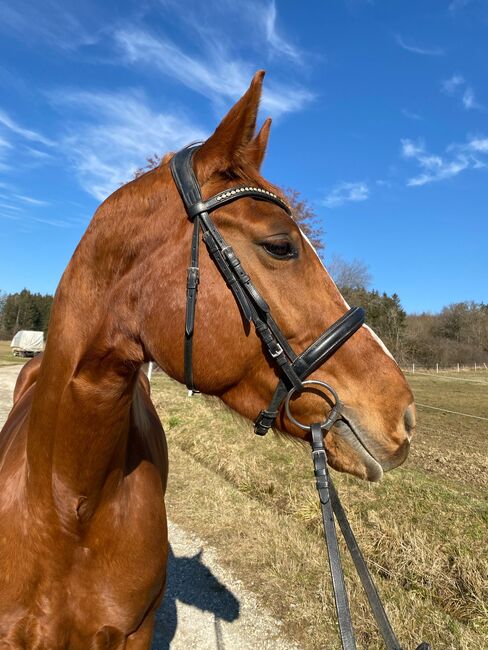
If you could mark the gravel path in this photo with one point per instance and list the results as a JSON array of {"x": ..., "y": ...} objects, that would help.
[{"x": 205, "y": 607}]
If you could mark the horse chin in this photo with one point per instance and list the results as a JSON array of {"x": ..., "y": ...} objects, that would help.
[{"x": 362, "y": 464}]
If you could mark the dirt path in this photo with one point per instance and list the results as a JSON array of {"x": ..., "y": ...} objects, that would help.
[{"x": 205, "y": 607}]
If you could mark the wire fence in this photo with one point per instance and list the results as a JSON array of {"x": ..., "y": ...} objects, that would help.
[{"x": 437, "y": 368}]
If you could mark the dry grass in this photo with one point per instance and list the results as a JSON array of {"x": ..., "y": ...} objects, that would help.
[
  {"x": 422, "y": 529},
  {"x": 6, "y": 356}
]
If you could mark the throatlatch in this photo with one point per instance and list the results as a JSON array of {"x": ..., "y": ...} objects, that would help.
[{"x": 293, "y": 370}]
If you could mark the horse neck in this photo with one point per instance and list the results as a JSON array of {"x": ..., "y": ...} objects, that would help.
[{"x": 80, "y": 417}]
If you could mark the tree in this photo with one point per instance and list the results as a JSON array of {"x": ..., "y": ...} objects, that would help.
[
  {"x": 349, "y": 275},
  {"x": 384, "y": 314},
  {"x": 458, "y": 334},
  {"x": 24, "y": 311},
  {"x": 305, "y": 216}
]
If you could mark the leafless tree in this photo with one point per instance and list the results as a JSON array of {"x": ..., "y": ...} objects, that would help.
[
  {"x": 349, "y": 275},
  {"x": 305, "y": 216}
]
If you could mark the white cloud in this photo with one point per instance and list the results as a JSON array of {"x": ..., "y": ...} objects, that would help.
[
  {"x": 30, "y": 200},
  {"x": 5, "y": 144},
  {"x": 27, "y": 134},
  {"x": 345, "y": 193},
  {"x": 9, "y": 206},
  {"x": 479, "y": 145},
  {"x": 457, "y": 5},
  {"x": 458, "y": 86},
  {"x": 57, "y": 223},
  {"x": 437, "y": 168},
  {"x": 411, "y": 115},
  {"x": 469, "y": 99},
  {"x": 116, "y": 134},
  {"x": 450, "y": 85},
  {"x": 214, "y": 73},
  {"x": 274, "y": 39},
  {"x": 415, "y": 49},
  {"x": 52, "y": 22}
]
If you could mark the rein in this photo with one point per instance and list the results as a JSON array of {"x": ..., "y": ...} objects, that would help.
[{"x": 293, "y": 370}]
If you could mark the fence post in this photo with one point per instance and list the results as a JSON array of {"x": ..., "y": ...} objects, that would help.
[
  {"x": 437, "y": 368},
  {"x": 458, "y": 367},
  {"x": 475, "y": 366},
  {"x": 413, "y": 367}
]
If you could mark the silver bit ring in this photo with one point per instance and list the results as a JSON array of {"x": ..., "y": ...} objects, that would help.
[{"x": 333, "y": 415}]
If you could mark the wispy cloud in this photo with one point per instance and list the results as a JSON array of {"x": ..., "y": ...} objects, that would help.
[
  {"x": 9, "y": 206},
  {"x": 416, "y": 49},
  {"x": 250, "y": 25},
  {"x": 52, "y": 22},
  {"x": 434, "y": 167},
  {"x": 345, "y": 193},
  {"x": 30, "y": 200},
  {"x": 27, "y": 210},
  {"x": 56, "y": 223},
  {"x": 477, "y": 144},
  {"x": 277, "y": 42},
  {"x": 469, "y": 99},
  {"x": 213, "y": 73},
  {"x": 410, "y": 115},
  {"x": 457, "y": 5},
  {"x": 458, "y": 86},
  {"x": 27, "y": 134},
  {"x": 450, "y": 85},
  {"x": 116, "y": 134},
  {"x": 5, "y": 144}
]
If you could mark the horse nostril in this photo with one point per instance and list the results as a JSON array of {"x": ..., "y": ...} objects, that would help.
[{"x": 409, "y": 419}]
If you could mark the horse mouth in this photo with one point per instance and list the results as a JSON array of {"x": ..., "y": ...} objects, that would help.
[{"x": 352, "y": 435}]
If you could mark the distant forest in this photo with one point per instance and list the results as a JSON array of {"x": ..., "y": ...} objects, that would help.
[
  {"x": 24, "y": 311},
  {"x": 458, "y": 334}
]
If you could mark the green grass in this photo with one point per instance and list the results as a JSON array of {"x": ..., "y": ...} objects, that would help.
[
  {"x": 423, "y": 528},
  {"x": 6, "y": 356}
]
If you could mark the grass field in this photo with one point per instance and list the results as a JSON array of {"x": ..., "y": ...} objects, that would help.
[
  {"x": 6, "y": 356},
  {"x": 423, "y": 529}
]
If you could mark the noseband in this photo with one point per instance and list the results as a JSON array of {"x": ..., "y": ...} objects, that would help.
[{"x": 293, "y": 370}]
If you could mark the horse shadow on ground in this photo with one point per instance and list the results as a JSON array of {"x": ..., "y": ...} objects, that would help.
[{"x": 192, "y": 583}]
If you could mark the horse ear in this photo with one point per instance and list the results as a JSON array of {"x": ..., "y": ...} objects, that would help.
[
  {"x": 256, "y": 149},
  {"x": 230, "y": 139}
]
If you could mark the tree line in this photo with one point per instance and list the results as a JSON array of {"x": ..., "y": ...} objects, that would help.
[
  {"x": 458, "y": 334},
  {"x": 24, "y": 311}
]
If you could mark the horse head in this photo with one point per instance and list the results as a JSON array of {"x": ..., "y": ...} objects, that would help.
[{"x": 228, "y": 357}]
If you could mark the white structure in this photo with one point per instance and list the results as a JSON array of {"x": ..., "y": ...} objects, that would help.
[{"x": 27, "y": 343}]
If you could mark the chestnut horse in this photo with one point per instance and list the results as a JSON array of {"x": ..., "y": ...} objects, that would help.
[{"x": 83, "y": 460}]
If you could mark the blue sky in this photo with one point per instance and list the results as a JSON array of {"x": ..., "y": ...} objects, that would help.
[{"x": 380, "y": 120}]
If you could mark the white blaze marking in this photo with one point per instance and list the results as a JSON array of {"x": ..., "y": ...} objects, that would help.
[
  {"x": 380, "y": 342},
  {"x": 366, "y": 327}
]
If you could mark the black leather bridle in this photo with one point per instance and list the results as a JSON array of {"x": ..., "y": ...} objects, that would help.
[{"x": 293, "y": 370}]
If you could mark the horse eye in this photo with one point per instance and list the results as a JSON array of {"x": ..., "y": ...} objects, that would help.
[{"x": 280, "y": 249}]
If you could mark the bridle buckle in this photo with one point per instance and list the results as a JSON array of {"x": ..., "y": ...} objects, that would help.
[{"x": 277, "y": 351}]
